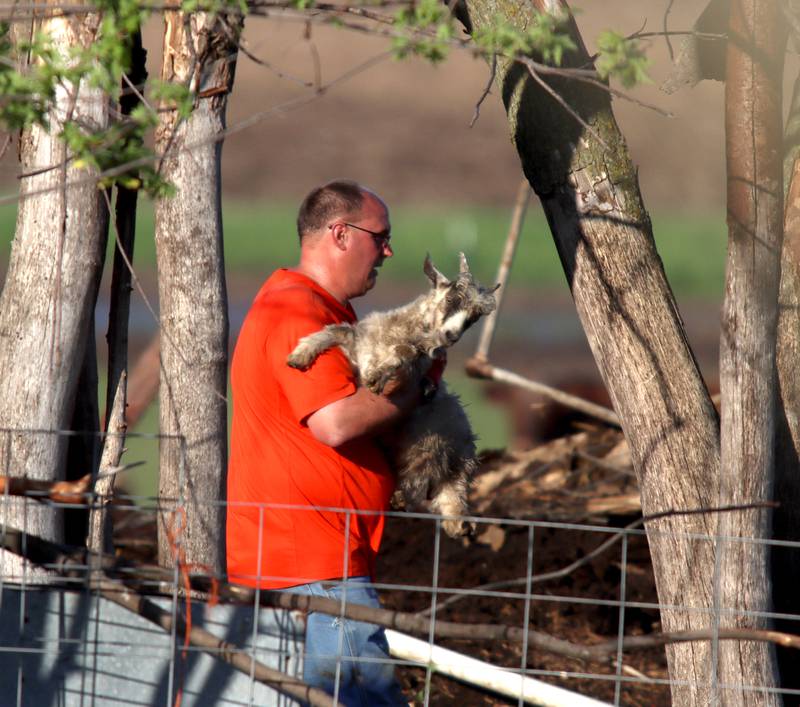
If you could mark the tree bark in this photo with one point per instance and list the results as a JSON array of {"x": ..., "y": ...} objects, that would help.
[
  {"x": 100, "y": 530},
  {"x": 125, "y": 232},
  {"x": 49, "y": 295},
  {"x": 83, "y": 447},
  {"x": 785, "y": 561},
  {"x": 603, "y": 234},
  {"x": 754, "y": 141},
  {"x": 200, "y": 51}
]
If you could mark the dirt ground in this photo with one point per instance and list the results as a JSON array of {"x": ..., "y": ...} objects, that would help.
[{"x": 549, "y": 484}]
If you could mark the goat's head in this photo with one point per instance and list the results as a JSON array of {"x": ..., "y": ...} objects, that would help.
[{"x": 454, "y": 306}]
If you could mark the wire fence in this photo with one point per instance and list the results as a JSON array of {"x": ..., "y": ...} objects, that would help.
[{"x": 530, "y": 611}]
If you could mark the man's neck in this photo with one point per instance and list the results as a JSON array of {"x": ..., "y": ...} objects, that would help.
[{"x": 322, "y": 276}]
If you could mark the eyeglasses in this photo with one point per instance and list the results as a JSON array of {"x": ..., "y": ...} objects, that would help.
[{"x": 381, "y": 238}]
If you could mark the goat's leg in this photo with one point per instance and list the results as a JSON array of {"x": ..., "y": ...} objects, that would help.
[
  {"x": 311, "y": 346},
  {"x": 399, "y": 364},
  {"x": 450, "y": 499}
]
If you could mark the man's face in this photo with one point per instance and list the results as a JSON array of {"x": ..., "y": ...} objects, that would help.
[{"x": 368, "y": 244}]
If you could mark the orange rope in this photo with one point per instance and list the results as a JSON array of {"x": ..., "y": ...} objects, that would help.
[{"x": 174, "y": 531}]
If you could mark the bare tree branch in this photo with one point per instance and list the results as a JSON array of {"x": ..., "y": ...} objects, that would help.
[
  {"x": 100, "y": 531},
  {"x": 5, "y": 146},
  {"x": 492, "y": 74},
  {"x": 68, "y": 492},
  {"x": 666, "y": 33}
]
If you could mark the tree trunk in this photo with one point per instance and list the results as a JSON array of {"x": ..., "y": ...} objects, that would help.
[
  {"x": 100, "y": 529},
  {"x": 49, "y": 295},
  {"x": 200, "y": 51},
  {"x": 603, "y": 234},
  {"x": 83, "y": 447},
  {"x": 125, "y": 232},
  {"x": 754, "y": 142},
  {"x": 785, "y": 561}
]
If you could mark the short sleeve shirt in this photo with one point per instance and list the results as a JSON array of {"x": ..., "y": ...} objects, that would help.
[{"x": 286, "y": 489}]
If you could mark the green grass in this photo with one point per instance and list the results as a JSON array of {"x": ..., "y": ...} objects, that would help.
[
  {"x": 261, "y": 238},
  {"x": 142, "y": 446},
  {"x": 258, "y": 239}
]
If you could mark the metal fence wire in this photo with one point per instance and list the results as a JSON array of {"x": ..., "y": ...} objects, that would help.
[{"x": 526, "y": 611}]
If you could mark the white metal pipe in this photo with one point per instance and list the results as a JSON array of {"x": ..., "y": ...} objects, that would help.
[{"x": 485, "y": 675}]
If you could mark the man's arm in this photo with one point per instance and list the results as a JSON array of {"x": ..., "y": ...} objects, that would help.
[{"x": 362, "y": 413}]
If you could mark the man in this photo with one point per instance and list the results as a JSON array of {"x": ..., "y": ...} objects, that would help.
[{"x": 306, "y": 441}]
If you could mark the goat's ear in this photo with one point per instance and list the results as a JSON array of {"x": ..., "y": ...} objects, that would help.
[
  {"x": 436, "y": 278},
  {"x": 463, "y": 266}
]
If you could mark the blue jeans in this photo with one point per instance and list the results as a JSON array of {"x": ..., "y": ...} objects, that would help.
[{"x": 333, "y": 644}]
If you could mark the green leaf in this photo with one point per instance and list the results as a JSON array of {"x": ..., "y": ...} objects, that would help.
[{"x": 623, "y": 59}]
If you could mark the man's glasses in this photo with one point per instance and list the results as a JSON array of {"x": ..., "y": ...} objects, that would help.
[{"x": 381, "y": 238}]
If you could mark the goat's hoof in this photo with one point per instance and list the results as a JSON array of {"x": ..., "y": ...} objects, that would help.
[
  {"x": 376, "y": 384},
  {"x": 398, "y": 502},
  {"x": 299, "y": 360},
  {"x": 458, "y": 528}
]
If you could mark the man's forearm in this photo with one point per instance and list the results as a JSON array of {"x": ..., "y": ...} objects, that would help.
[{"x": 363, "y": 413}]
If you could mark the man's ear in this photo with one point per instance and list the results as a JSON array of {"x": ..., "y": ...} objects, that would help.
[{"x": 339, "y": 235}]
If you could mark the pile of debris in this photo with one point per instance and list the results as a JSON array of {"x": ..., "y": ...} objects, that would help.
[{"x": 573, "y": 574}]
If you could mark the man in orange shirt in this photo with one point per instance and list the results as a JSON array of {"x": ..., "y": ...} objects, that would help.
[{"x": 307, "y": 482}]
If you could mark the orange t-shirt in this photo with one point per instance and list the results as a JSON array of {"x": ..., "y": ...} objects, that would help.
[{"x": 274, "y": 458}]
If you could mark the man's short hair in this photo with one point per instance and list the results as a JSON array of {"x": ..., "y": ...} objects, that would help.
[{"x": 339, "y": 198}]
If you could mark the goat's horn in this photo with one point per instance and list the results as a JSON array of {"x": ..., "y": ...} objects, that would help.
[
  {"x": 463, "y": 267},
  {"x": 433, "y": 274}
]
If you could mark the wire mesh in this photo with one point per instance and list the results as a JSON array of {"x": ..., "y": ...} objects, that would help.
[{"x": 64, "y": 641}]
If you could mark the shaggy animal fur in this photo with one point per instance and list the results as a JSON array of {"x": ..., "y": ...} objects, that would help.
[{"x": 433, "y": 452}]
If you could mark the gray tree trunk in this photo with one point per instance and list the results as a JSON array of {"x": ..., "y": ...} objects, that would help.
[
  {"x": 49, "y": 296},
  {"x": 200, "y": 51},
  {"x": 748, "y": 382},
  {"x": 603, "y": 234}
]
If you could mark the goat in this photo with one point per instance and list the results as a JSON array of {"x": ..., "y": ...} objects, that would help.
[{"x": 433, "y": 451}]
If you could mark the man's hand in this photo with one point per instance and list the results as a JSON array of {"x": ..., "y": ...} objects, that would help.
[
  {"x": 418, "y": 390},
  {"x": 433, "y": 378}
]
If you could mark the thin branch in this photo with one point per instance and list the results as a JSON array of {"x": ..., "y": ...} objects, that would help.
[
  {"x": 63, "y": 492},
  {"x": 603, "y": 464},
  {"x": 6, "y": 144},
  {"x": 277, "y": 72},
  {"x": 666, "y": 35},
  {"x": 136, "y": 92},
  {"x": 590, "y": 77},
  {"x": 492, "y": 74},
  {"x": 481, "y": 368},
  {"x": 67, "y": 492},
  {"x": 524, "y": 192},
  {"x": 99, "y": 537},
  {"x": 315, "y": 61},
  {"x": 558, "y": 98}
]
